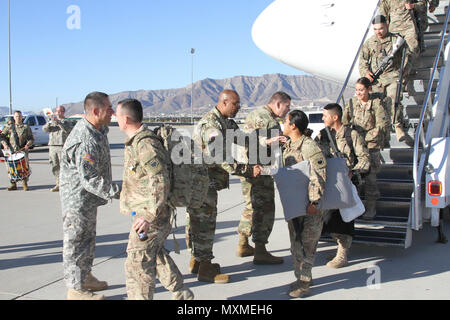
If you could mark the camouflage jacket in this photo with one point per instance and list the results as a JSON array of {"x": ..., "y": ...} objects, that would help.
[
  {"x": 24, "y": 136},
  {"x": 350, "y": 143},
  {"x": 146, "y": 178},
  {"x": 374, "y": 51},
  {"x": 86, "y": 178},
  {"x": 58, "y": 131},
  {"x": 264, "y": 123},
  {"x": 306, "y": 149},
  {"x": 368, "y": 119},
  {"x": 398, "y": 17},
  {"x": 210, "y": 135}
]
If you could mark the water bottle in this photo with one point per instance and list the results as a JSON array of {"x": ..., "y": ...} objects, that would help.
[{"x": 142, "y": 236}]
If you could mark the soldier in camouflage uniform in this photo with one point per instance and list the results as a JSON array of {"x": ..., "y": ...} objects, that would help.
[
  {"x": 85, "y": 184},
  {"x": 145, "y": 190},
  {"x": 352, "y": 146},
  {"x": 59, "y": 129},
  {"x": 304, "y": 231},
  {"x": 400, "y": 18},
  {"x": 201, "y": 222},
  {"x": 259, "y": 194},
  {"x": 372, "y": 54},
  {"x": 20, "y": 139},
  {"x": 366, "y": 114}
]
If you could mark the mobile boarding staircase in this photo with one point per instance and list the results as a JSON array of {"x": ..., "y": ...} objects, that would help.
[{"x": 406, "y": 173}]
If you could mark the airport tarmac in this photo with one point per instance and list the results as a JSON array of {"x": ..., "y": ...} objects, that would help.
[{"x": 31, "y": 247}]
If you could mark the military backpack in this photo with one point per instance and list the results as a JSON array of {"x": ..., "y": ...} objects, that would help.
[{"x": 190, "y": 181}]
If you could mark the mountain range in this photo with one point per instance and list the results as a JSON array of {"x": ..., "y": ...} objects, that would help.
[{"x": 253, "y": 91}]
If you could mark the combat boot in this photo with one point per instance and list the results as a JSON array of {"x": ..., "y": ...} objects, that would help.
[
  {"x": 262, "y": 256},
  {"x": 55, "y": 189},
  {"x": 341, "y": 259},
  {"x": 208, "y": 273},
  {"x": 12, "y": 187},
  {"x": 401, "y": 135},
  {"x": 25, "y": 185},
  {"x": 371, "y": 211},
  {"x": 244, "y": 249},
  {"x": 183, "y": 294},
  {"x": 74, "y": 294},
  {"x": 92, "y": 283},
  {"x": 300, "y": 289},
  {"x": 194, "y": 265}
]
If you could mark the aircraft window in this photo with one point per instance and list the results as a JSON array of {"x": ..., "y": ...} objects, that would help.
[
  {"x": 41, "y": 120},
  {"x": 31, "y": 121},
  {"x": 315, "y": 118}
]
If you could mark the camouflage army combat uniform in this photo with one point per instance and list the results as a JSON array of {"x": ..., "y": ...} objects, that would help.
[
  {"x": 303, "y": 252},
  {"x": 401, "y": 21},
  {"x": 259, "y": 213},
  {"x": 58, "y": 131},
  {"x": 24, "y": 138},
  {"x": 350, "y": 143},
  {"x": 370, "y": 120},
  {"x": 421, "y": 14},
  {"x": 372, "y": 54},
  {"x": 145, "y": 190},
  {"x": 201, "y": 224},
  {"x": 85, "y": 184}
]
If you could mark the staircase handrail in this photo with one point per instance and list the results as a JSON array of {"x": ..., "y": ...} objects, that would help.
[
  {"x": 344, "y": 86},
  {"x": 420, "y": 136}
]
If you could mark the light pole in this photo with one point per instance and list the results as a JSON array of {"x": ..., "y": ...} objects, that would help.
[
  {"x": 192, "y": 86},
  {"x": 9, "y": 55}
]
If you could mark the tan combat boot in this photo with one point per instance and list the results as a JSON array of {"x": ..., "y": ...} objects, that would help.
[
  {"x": 207, "y": 272},
  {"x": 92, "y": 283},
  {"x": 183, "y": 294},
  {"x": 300, "y": 289},
  {"x": 25, "y": 185},
  {"x": 12, "y": 187},
  {"x": 74, "y": 294},
  {"x": 194, "y": 265},
  {"x": 244, "y": 249},
  {"x": 371, "y": 211},
  {"x": 263, "y": 257},
  {"x": 401, "y": 135},
  {"x": 341, "y": 259}
]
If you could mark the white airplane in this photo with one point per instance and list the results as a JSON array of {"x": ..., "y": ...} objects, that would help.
[{"x": 320, "y": 37}]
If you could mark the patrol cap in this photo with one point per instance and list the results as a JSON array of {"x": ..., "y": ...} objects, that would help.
[{"x": 379, "y": 19}]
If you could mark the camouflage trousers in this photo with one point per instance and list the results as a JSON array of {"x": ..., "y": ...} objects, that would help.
[
  {"x": 370, "y": 186},
  {"x": 55, "y": 160},
  {"x": 79, "y": 228},
  {"x": 258, "y": 216},
  {"x": 148, "y": 260},
  {"x": 395, "y": 115},
  {"x": 201, "y": 227},
  {"x": 303, "y": 253}
]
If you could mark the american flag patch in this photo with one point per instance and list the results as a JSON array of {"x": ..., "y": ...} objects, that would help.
[{"x": 89, "y": 158}]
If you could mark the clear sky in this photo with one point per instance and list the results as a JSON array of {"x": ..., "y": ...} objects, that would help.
[{"x": 124, "y": 45}]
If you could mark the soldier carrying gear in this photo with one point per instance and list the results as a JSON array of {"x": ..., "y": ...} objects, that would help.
[
  {"x": 350, "y": 143},
  {"x": 304, "y": 231},
  {"x": 374, "y": 53},
  {"x": 145, "y": 191}
]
